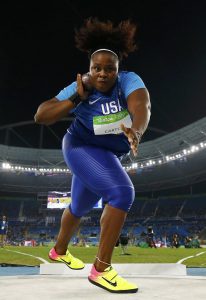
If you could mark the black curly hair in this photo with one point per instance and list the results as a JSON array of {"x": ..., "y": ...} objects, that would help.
[{"x": 95, "y": 34}]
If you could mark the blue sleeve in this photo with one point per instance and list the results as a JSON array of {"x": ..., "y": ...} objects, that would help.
[
  {"x": 130, "y": 82},
  {"x": 67, "y": 92}
]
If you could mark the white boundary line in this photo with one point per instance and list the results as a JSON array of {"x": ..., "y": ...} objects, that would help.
[
  {"x": 183, "y": 259},
  {"x": 39, "y": 258},
  {"x": 46, "y": 262}
]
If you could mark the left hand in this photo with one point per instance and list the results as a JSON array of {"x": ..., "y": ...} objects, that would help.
[{"x": 132, "y": 138}]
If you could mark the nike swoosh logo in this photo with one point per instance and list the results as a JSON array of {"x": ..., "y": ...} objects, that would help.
[
  {"x": 92, "y": 102},
  {"x": 67, "y": 263},
  {"x": 111, "y": 283}
]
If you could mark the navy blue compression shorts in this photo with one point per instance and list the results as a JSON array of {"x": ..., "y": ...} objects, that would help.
[{"x": 97, "y": 173}]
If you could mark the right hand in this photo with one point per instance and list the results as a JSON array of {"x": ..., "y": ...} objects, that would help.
[
  {"x": 132, "y": 138},
  {"x": 80, "y": 88}
]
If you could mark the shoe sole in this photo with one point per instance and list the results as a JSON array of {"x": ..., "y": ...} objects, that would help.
[
  {"x": 65, "y": 264},
  {"x": 112, "y": 291}
]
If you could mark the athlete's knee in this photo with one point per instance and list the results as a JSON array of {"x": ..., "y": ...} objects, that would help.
[
  {"x": 79, "y": 210},
  {"x": 122, "y": 197},
  {"x": 74, "y": 212}
]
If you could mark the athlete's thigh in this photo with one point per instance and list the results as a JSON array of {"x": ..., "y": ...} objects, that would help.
[
  {"x": 82, "y": 198},
  {"x": 98, "y": 168}
]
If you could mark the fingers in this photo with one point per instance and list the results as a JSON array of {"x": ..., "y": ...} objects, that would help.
[
  {"x": 134, "y": 149},
  {"x": 128, "y": 132},
  {"x": 80, "y": 88},
  {"x": 124, "y": 129},
  {"x": 79, "y": 79},
  {"x": 131, "y": 138},
  {"x": 133, "y": 144}
]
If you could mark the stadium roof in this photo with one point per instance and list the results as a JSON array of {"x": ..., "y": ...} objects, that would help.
[{"x": 174, "y": 168}]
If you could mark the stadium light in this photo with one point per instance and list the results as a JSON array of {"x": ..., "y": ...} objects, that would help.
[{"x": 141, "y": 164}]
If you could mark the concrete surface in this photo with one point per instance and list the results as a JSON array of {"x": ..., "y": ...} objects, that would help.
[
  {"x": 53, "y": 287},
  {"x": 122, "y": 269}
]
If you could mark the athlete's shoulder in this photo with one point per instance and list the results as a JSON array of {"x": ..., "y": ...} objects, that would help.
[
  {"x": 130, "y": 81},
  {"x": 128, "y": 75}
]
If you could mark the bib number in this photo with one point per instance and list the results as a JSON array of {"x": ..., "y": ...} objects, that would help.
[{"x": 110, "y": 124}]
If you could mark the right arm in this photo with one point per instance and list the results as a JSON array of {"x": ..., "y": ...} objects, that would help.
[{"x": 52, "y": 110}]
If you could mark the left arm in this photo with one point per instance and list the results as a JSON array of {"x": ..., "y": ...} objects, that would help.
[{"x": 139, "y": 107}]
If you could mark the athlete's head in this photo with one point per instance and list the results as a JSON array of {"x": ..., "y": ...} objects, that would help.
[
  {"x": 103, "y": 70},
  {"x": 106, "y": 46}
]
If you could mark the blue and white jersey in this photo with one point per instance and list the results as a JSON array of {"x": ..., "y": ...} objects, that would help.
[
  {"x": 98, "y": 118},
  {"x": 3, "y": 227}
]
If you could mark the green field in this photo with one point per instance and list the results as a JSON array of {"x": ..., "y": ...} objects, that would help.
[{"x": 138, "y": 255}]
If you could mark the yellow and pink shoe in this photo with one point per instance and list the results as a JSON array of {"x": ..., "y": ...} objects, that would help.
[
  {"x": 111, "y": 281},
  {"x": 68, "y": 259}
]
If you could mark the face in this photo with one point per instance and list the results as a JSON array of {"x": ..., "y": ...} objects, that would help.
[{"x": 103, "y": 71}]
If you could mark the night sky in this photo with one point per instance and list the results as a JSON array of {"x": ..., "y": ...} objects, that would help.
[{"x": 38, "y": 56}]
